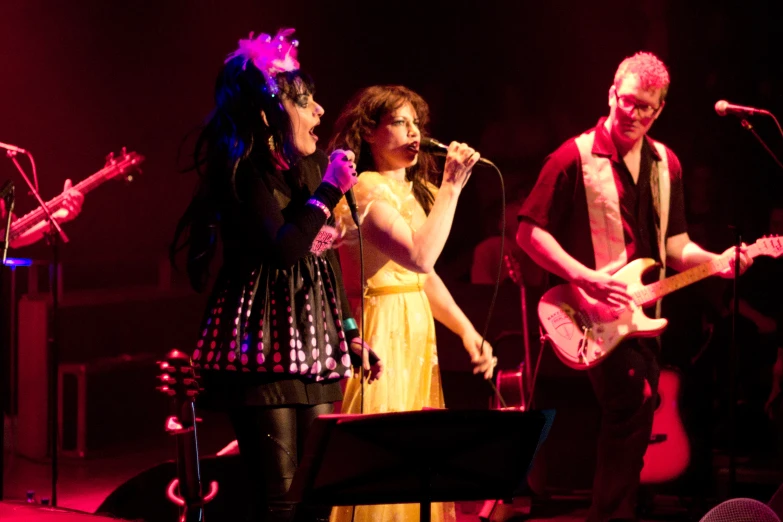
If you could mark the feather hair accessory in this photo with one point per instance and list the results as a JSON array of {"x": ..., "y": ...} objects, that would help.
[{"x": 270, "y": 55}]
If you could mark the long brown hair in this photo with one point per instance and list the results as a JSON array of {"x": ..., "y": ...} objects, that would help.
[{"x": 363, "y": 114}]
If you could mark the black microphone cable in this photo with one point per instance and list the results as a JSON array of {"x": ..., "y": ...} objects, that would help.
[{"x": 433, "y": 146}]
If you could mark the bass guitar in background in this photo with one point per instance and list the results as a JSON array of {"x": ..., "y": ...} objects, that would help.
[{"x": 123, "y": 166}]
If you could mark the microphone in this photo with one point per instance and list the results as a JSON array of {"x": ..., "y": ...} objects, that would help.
[
  {"x": 349, "y": 197},
  {"x": 7, "y": 190},
  {"x": 435, "y": 147},
  {"x": 12, "y": 148},
  {"x": 723, "y": 108},
  {"x": 351, "y": 200}
]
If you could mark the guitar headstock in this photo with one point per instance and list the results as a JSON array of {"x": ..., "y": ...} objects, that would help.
[
  {"x": 769, "y": 246},
  {"x": 178, "y": 377},
  {"x": 125, "y": 164}
]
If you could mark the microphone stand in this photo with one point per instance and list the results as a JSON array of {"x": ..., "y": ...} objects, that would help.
[
  {"x": 733, "y": 361},
  {"x": 733, "y": 351},
  {"x": 746, "y": 125},
  {"x": 55, "y": 234},
  {"x": 9, "y": 208}
]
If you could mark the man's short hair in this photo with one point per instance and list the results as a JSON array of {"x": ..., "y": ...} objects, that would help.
[{"x": 651, "y": 71}]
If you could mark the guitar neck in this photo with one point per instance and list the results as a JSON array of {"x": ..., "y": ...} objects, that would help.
[
  {"x": 655, "y": 291},
  {"x": 26, "y": 222}
]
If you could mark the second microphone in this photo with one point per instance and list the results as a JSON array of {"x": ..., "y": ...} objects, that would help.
[{"x": 437, "y": 148}]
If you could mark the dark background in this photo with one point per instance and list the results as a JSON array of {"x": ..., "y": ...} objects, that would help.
[{"x": 515, "y": 78}]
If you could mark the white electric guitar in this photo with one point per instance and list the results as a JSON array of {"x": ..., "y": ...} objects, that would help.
[{"x": 583, "y": 331}]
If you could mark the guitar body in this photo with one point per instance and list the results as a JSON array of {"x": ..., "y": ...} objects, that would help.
[
  {"x": 583, "y": 331},
  {"x": 668, "y": 453}
]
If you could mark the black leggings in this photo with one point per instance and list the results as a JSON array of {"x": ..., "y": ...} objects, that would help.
[{"x": 270, "y": 442}]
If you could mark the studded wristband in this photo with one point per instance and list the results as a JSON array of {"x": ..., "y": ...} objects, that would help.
[{"x": 319, "y": 204}]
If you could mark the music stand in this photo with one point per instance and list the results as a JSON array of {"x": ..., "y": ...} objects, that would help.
[{"x": 418, "y": 457}]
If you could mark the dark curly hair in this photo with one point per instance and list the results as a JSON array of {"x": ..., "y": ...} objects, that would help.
[
  {"x": 363, "y": 114},
  {"x": 234, "y": 132}
]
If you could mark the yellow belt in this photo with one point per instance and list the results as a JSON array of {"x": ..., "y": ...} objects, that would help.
[{"x": 397, "y": 289}]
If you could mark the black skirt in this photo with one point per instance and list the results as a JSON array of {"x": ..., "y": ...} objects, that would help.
[{"x": 273, "y": 337}]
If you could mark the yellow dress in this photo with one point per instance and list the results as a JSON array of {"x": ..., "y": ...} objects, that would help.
[{"x": 399, "y": 327}]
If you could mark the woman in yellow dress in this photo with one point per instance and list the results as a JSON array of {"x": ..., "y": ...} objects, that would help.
[{"x": 405, "y": 222}]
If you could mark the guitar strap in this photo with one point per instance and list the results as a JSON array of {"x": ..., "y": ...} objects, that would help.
[
  {"x": 603, "y": 206},
  {"x": 660, "y": 178}
]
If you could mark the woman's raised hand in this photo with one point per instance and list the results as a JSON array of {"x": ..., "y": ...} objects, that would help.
[
  {"x": 341, "y": 171},
  {"x": 459, "y": 164}
]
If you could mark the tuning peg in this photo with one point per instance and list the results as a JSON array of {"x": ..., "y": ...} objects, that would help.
[{"x": 124, "y": 152}]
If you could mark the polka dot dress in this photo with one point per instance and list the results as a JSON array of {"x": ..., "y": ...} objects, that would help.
[{"x": 276, "y": 321}]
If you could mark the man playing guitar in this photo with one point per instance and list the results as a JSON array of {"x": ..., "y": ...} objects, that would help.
[{"x": 603, "y": 199}]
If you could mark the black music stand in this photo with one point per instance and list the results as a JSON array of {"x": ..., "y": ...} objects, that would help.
[{"x": 418, "y": 457}]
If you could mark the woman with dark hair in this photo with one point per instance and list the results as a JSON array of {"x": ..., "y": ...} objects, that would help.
[
  {"x": 276, "y": 338},
  {"x": 405, "y": 221}
]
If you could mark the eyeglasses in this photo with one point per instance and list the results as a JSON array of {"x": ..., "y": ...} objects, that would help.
[{"x": 629, "y": 104}]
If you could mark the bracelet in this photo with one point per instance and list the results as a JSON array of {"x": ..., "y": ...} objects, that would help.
[
  {"x": 349, "y": 324},
  {"x": 320, "y": 204}
]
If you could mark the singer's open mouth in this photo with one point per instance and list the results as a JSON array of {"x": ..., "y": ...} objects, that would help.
[{"x": 414, "y": 147}]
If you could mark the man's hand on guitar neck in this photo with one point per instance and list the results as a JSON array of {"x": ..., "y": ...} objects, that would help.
[
  {"x": 604, "y": 288},
  {"x": 70, "y": 207},
  {"x": 72, "y": 203}
]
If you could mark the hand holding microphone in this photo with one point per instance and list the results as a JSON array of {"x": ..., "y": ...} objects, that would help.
[
  {"x": 460, "y": 159},
  {"x": 341, "y": 171}
]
